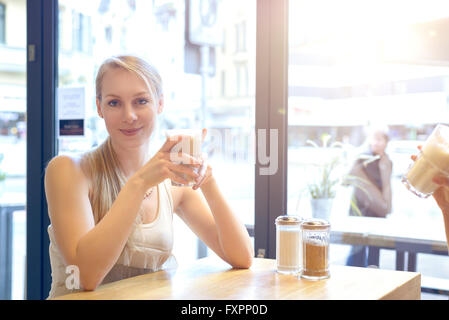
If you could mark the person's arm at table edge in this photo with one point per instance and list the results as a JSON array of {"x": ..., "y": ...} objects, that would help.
[{"x": 214, "y": 222}]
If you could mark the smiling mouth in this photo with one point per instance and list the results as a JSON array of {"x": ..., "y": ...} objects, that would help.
[{"x": 130, "y": 132}]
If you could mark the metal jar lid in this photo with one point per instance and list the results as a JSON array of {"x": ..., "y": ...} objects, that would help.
[
  {"x": 315, "y": 224},
  {"x": 288, "y": 220}
]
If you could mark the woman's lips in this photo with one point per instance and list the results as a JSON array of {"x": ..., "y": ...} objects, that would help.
[{"x": 130, "y": 132}]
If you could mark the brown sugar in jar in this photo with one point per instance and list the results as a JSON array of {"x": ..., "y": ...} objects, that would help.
[{"x": 315, "y": 242}]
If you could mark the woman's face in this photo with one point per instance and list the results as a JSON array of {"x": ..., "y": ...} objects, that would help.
[{"x": 127, "y": 108}]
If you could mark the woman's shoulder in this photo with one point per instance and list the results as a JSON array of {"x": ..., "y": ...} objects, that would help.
[
  {"x": 63, "y": 162},
  {"x": 65, "y": 167}
]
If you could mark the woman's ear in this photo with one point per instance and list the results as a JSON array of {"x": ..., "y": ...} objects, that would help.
[
  {"x": 99, "y": 108},
  {"x": 160, "y": 107}
]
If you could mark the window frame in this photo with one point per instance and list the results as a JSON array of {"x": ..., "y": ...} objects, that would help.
[
  {"x": 271, "y": 113},
  {"x": 42, "y": 62}
]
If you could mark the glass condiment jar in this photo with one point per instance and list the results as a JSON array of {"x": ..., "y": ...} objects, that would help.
[
  {"x": 288, "y": 244},
  {"x": 315, "y": 249}
]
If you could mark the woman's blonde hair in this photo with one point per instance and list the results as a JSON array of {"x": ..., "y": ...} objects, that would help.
[
  {"x": 136, "y": 65},
  {"x": 101, "y": 165}
]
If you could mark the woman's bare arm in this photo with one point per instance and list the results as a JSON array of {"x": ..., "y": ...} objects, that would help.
[
  {"x": 212, "y": 219},
  {"x": 93, "y": 249}
]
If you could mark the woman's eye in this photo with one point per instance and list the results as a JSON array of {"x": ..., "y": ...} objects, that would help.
[
  {"x": 143, "y": 101},
  {"x": 113, "y": 103}
]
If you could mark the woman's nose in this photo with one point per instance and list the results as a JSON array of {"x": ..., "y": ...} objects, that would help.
[{"x": 130, "y": 115}]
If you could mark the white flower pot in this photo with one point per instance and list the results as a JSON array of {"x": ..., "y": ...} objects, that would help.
[{"x": 321, "y": 208}]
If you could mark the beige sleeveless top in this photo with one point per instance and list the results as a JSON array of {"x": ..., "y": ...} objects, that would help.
[{"x": 148, "y": 249}]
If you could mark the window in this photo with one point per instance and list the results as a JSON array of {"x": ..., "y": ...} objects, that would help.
[
  {"x": 348, "y": 74},
  {"x": 81, "y": 31},
  {"x": 229, "y": 119},
  {"x": 2, "y": 23},
  {"x": 223, "y": 83},
  {"x": 245, "y": 79},
  {"x": 13, "y": 149},
  {"x": 241, "y": 71},
  {"x": 108, "y": 34},
  {"x": 238, "y": 79},
  {"x": 240, "y": 37},
  {"x": 77, "y": 26},
  {"x": 223, "y": 47}
]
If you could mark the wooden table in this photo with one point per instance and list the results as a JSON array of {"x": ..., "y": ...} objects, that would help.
[{"x": 210, "y": 278}]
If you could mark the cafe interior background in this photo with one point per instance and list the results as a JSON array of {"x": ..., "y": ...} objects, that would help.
[{"x": 349, "y": 64}]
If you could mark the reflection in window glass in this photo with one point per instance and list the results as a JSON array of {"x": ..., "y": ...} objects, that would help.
[
  {"x": 349, "y": 73},
  {"x": 12, "y": 148},
  {"x": 196, "y": 89},
  {"x": 2, "y": 23}
]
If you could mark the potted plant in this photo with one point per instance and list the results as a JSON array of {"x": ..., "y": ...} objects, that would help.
[{"x": 331, "y": 170}]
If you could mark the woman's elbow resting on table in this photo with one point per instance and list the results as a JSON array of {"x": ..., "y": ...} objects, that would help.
[
  {"x": 90, "y": 273},
  {"x": 90, "y": 287},
  {"x": 242, "y": 261},
  {"x": 247, "y": 263},
  {"x": 244, "y": 264},
  {"x": 90, "y": 282}
]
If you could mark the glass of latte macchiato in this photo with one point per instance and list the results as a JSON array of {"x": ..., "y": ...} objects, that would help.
[
  {"x": 190, "y": 144},
  {"x": 432, "y": 161}
]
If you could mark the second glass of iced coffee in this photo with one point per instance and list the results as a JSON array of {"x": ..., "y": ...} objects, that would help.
[{"x": 432, "y": 161}]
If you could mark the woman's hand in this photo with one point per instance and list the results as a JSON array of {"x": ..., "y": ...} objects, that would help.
[
  {"x": 160, "y": 167},
  {"x": 205, "y": 175},
  {"x": 414, "y": 157},
  {"x": 205, "y": 171},
  {"x": 441, "y": 195}
]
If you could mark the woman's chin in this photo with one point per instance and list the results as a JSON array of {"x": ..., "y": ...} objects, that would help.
[{"x": 132, "y": 141}]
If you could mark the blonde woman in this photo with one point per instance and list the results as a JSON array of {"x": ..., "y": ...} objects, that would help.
[{"x": 111, "y": 209}]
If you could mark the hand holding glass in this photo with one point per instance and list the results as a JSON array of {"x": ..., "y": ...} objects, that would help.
[
  {"x": 190, "y": 144},
  {"x": 432, "y": 161}
]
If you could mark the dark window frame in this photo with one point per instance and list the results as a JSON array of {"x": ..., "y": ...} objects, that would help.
[
  {"x": 42, "y": 62},
  {"x": 271, "y": 113}
]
